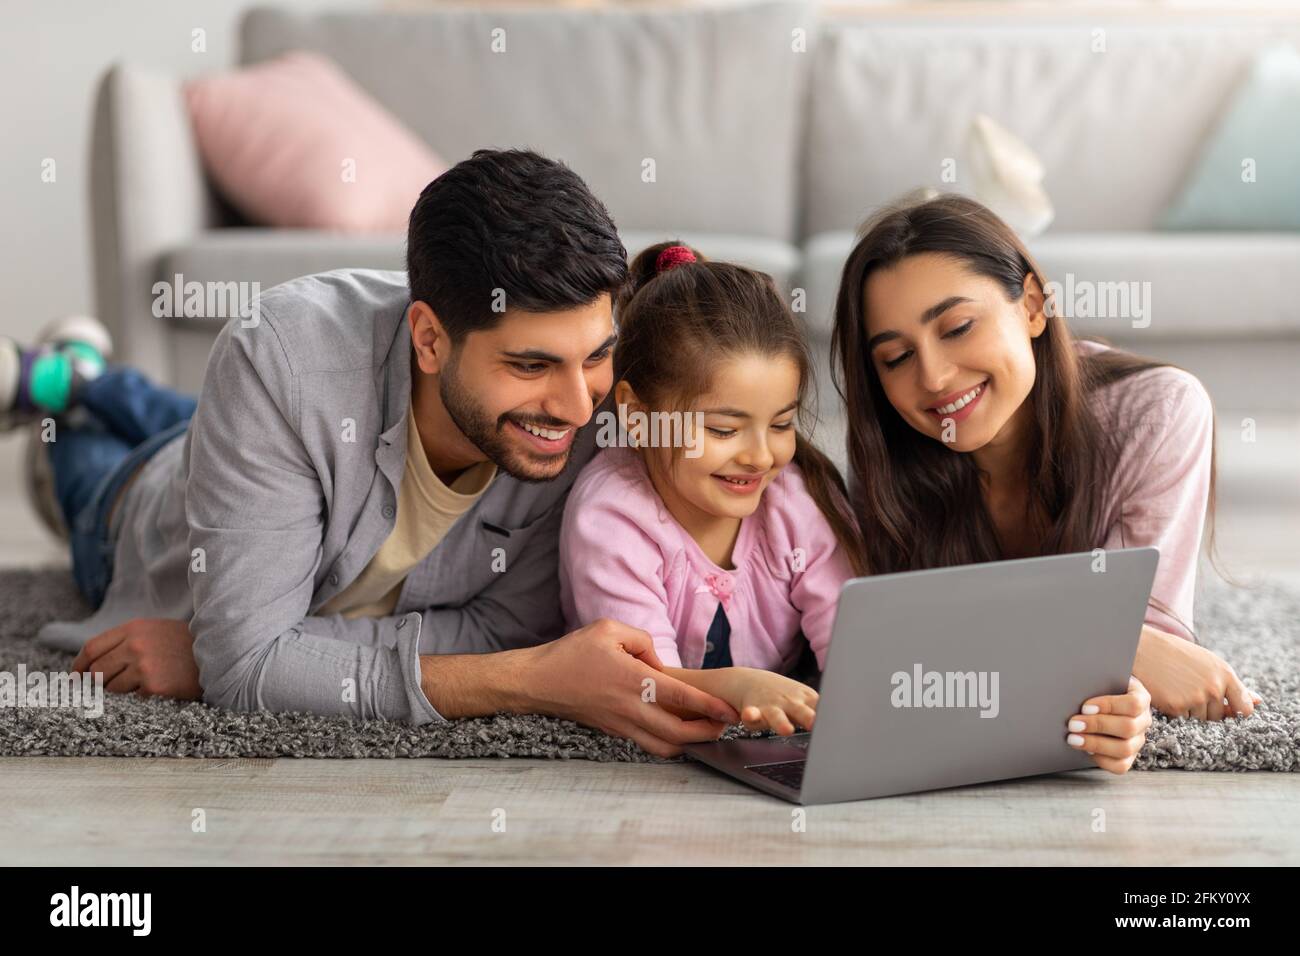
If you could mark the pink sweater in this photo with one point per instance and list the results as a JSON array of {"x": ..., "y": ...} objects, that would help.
[
  {"x": 623, "y": 556},
  {"x": 1162, "y": 482}
]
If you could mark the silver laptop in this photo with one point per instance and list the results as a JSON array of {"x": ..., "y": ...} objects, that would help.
[{"x": 956, "y": 676}]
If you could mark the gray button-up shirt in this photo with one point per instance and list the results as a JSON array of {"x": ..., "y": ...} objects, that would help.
[{"x": 280, "y": 493}]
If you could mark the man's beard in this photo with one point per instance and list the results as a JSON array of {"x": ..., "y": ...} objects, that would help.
[{"x": 490, "y": 437}]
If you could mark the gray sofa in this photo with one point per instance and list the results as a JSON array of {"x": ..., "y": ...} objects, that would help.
[{"x": 773, "y": 132}]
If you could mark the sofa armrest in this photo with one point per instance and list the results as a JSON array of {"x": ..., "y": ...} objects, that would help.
[{"x": 148, "y": 194}]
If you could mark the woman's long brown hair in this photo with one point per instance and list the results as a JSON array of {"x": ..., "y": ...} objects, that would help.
[
  {"x": 675, "y": 326},
  {"x": 919, "y": 504}
]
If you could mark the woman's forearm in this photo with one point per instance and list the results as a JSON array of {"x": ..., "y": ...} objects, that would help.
[
  {"x": 1186, "y": 679},
  {"x": 1152, "y": 661}
]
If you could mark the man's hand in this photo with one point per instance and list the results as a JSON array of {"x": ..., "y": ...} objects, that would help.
[
  {"x": 151, "y": 656},
  {"x": 1187, "y": 680},
  {"x": 605, "y": 675}
]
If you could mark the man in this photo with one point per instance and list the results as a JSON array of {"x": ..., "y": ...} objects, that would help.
[{"x": 362, "y": 515}]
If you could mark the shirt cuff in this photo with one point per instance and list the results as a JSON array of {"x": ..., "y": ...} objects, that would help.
[{"x": 408, "y": 648}]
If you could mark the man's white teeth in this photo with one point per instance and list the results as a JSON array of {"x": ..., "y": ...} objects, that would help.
[
  {"x": 548, "y": 433},
  {"x": 961, "y": 402}
]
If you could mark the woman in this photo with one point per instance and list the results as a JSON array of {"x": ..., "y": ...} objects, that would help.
[{"x": 980, "y": 429}]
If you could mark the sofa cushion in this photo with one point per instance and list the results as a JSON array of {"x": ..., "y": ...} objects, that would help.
[
  {"x": 1259, "y": 129},
  {"x": 713, "y": 96},
  {"x": 1175, "y": 283},
  {"x": 1116, "y": 111},
  {"x": 293, "y": 143}
]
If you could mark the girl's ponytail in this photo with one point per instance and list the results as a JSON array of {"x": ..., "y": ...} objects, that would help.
[{"x": 652, "y": 262}]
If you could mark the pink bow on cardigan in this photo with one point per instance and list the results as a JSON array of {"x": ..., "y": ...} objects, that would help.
[{"x": 720, "y": 586}]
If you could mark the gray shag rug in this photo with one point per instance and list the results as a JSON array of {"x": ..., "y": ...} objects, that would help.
[{"x": 1256, "y": 629}]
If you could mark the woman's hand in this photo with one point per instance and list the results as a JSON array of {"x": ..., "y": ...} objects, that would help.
[
  {"x": 1113, "y": 729},
  {"x": 1188, "y": 680}
]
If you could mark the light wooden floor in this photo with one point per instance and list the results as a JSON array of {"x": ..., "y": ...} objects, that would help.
[{"x": 93, "y": 811}]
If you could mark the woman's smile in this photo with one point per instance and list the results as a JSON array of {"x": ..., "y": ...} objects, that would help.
[{"x": 959, "y": 405}]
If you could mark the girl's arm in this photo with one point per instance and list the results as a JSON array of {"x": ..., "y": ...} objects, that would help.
[
  {"x": 610, "y": 568},
  {"x": 815, "y": 590},
  {"x": 802, "y": 542}
]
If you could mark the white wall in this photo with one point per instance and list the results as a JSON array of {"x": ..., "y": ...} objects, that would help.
[{"x": 52, "y": 54}]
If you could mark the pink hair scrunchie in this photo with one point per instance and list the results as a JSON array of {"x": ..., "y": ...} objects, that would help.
[{"x": 672, "y": 256}]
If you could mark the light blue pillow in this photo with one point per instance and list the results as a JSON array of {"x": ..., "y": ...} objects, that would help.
[{"x": 1262, "y": 125}]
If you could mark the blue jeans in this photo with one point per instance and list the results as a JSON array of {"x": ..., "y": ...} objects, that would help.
[{"x": 128, "y": 419}]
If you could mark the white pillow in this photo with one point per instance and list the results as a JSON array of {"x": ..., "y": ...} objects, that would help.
[{"x": 1007, "y": 176}]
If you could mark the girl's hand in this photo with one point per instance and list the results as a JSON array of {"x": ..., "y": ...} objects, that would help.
[
  {"x": 1188, "y": 680},
  {"x": 768, "y": 701},
  {"x": 1112, "y": 729}
]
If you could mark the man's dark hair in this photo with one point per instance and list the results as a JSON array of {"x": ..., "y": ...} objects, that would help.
[{"x": 516, "y": 221}]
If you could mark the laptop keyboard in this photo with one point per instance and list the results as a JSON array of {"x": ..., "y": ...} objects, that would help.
[{"x": 788, "y": 772}]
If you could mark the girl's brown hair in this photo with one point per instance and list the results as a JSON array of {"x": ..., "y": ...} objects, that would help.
[
  {"x": 675, "y": 325},
  {"x": 918, "y": 504}
]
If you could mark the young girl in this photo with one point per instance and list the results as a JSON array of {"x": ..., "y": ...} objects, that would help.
[
  {"x": 730, "y": 549},
  {"x": 980, "y": 429}
]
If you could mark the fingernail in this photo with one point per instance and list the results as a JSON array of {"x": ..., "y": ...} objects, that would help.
[
  {"x": 1076, "y": 725},
  {"x": 1090, "y": 753},
  {"x": 1091, "y": 709},
  {"x": 1074, "y": 740}
]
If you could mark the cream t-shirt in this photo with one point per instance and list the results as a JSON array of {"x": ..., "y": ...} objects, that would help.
[{"x": 426, "y": 509}]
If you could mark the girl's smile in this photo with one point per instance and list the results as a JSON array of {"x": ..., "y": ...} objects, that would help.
[{"x": 741, "y": 484}]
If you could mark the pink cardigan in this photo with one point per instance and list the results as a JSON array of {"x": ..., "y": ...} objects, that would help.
[{"x": 623, "y": 556}]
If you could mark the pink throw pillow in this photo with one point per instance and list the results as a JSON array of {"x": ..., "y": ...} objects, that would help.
[{"x": 293, "y": 142}]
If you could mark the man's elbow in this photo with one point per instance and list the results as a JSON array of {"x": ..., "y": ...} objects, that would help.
[{"x": 228, "y": 688}]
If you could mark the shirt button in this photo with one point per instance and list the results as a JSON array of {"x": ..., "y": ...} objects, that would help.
[
  {"x": 388, "y": 511},
  {"x": 401, "y": 624},
  {"x": 334, "y": 579},
  {"x": 708, "y": 647}
]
